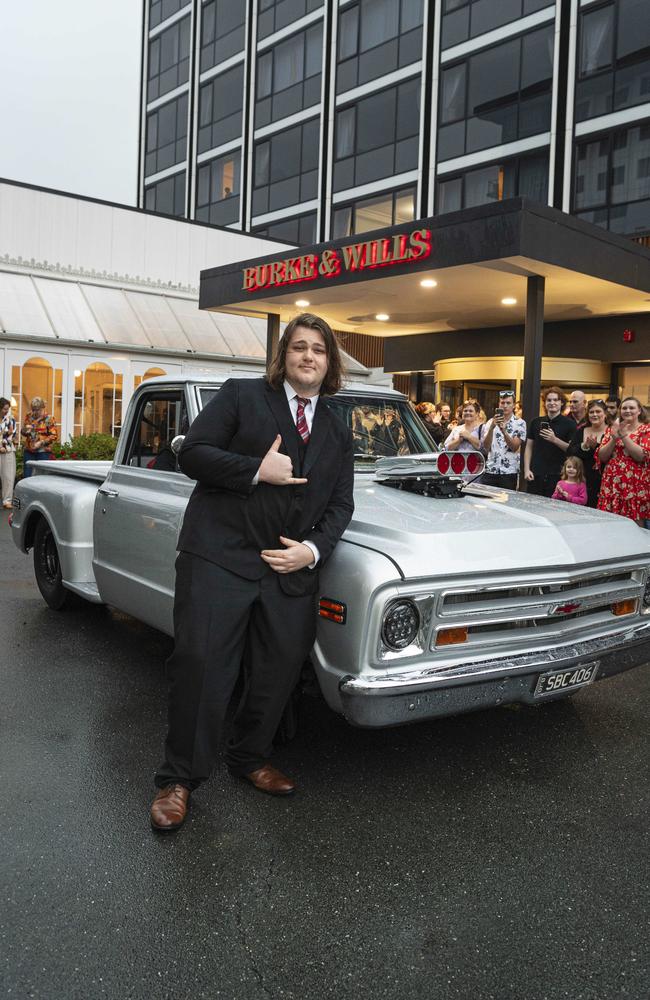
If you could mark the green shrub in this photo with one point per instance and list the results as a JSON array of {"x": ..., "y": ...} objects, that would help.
[{"x": 85, "y": 447}]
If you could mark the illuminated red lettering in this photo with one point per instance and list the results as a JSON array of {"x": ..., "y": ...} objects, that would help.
[
  {"x": 355, "y": 256},
  {"x": 308, "y": 269},
  {"x": 249, "y": 279},
  {"x": 399, "y": 248},
  {"x": 263, "y": 275},
  {"x": 330, "y": 265},
  {"x": 385, "y": 255},
  {"x": 278, "y": 272},
  {"x": 420, "y": 243},
  {"x": 293, "y": 269}
]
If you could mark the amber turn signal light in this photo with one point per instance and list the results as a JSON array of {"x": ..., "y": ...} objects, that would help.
[
  {"x": 450, "y": 636},
  {"x": 335, "y": 611},
  {"x": 624, "y": 607}
]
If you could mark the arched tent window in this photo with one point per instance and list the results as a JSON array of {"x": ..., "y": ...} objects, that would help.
[
  {"x": 97, "y": 400},
  {"x": 150, "y": 373},
  {"x": 37, "y": 377}
]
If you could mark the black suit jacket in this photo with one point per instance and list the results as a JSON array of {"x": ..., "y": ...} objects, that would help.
[{"x": 228, "y": 520}]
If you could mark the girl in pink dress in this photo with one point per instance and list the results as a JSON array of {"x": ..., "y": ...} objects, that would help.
[{"x": 572, "y": 486}]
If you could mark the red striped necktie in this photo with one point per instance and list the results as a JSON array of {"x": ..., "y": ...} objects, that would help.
[{"x": 301, "y": 420}]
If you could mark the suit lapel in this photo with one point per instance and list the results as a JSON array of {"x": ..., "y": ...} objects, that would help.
[
  {"x": 319, "y": 431},
  {"x": 279, "y": 405}
]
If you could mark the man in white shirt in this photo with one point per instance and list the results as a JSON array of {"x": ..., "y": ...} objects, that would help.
[{"x": 504, "y": 437}]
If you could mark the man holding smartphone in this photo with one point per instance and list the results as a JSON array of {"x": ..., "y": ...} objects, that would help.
[
  {"x": 502, "y": 444},
  {"x": 548, "y": 441}
]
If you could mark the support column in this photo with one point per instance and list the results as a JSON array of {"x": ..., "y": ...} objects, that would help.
[
  {"x": 533, "y": 347},
  {"x": 272, "y": 336}
]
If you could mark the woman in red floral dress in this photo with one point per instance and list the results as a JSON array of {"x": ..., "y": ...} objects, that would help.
[{"x": 625, "y": 447}]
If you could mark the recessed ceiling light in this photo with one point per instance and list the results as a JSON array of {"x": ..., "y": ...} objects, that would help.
[
  {"x": 508, "y": 302},
  {"x": 382, "y": 317},
  {"x": 428, "y": 283},
  {"x": 302, "y": 303}
]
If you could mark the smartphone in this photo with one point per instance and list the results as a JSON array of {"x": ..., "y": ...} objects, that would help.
[
  {"x": 498, "y": 412},
  {"x": 544, "y": 425}
]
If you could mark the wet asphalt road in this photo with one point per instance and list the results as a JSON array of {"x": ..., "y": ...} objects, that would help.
[{"x": 501, "y": 855}]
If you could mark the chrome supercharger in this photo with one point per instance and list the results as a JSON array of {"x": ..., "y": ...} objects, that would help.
[{"x": 434, "y": 474}]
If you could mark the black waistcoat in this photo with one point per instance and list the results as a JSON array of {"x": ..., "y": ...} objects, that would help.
[{"x": 275, "y": 510}]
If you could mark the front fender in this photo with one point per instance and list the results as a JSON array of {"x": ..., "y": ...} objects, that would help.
[{"x": 351, "y": 576}]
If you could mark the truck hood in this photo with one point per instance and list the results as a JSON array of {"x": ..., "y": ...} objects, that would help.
[{"x": 487, "y": 530}]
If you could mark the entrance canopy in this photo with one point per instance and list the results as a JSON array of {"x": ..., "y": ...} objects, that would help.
[{"x": 447, "y": 273}]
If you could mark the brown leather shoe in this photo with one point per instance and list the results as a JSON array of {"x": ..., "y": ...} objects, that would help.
[
  {"x": 169, "y": 808},
  {"x": 268, "y": 779}
]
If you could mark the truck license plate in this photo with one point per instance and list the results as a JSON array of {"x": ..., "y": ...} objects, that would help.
[{"x": 562, "y": 680}]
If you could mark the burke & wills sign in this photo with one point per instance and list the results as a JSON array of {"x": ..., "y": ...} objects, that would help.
[{"x": 403, "y": 248}]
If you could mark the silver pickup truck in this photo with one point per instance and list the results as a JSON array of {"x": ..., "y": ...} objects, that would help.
[{"x": 442, "y": 597}]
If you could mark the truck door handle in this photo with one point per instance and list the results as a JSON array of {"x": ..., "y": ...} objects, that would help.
[{"x": 108, "y": 493}]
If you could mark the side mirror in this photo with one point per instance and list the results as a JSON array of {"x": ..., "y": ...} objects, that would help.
[{"x": 176, "y": 443}]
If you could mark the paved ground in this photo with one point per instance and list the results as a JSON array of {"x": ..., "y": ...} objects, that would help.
[{"x": 501, "y": 855}]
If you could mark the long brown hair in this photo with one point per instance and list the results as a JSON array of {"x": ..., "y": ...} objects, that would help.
[
  {"x": 335, "y": 371},
  {"x": 579, "y": 465}
]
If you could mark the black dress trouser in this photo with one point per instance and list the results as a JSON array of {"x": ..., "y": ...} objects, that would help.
[
  {"x": 223, "y": 623},
  {"x": 542, "y": 486}
]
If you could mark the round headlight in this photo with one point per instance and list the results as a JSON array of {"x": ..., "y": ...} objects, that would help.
[{"x": 400, "y": 625}]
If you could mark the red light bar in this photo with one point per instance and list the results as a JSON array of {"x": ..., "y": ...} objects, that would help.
[
  {"x": 443, "y": 463},
  {"x": 457, "y": 463}
]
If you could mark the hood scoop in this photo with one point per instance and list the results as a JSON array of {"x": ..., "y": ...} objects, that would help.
[{"x": 433, "y": 474}]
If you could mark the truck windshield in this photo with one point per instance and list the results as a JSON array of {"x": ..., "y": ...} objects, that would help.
[{"x": 380, "y": 425}]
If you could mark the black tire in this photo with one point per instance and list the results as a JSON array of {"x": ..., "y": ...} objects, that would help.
[{"x": 47, "y": 568}]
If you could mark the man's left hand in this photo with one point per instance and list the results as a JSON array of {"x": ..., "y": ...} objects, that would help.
[{"x": 294, "y": 557}]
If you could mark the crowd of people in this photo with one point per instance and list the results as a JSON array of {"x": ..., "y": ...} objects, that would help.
[
  {"x": 37, "y": 433},
  {"x": 594, "y": 453}
]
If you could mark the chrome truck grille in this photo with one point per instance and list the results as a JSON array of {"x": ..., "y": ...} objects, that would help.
[{"x": 556, "y": 607}]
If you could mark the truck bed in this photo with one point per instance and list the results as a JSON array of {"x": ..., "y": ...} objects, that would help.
[{"x": 96, "y": 471}]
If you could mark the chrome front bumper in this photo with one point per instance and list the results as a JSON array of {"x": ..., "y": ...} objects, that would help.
[{"x": 392, "y": 700}]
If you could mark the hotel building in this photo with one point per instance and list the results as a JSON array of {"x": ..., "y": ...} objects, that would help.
[{"x": 314, "y": 120}]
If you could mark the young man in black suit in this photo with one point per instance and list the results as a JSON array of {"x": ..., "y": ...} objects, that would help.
[{"x": 274, "y": 471}]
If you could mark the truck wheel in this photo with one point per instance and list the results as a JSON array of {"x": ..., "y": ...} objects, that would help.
[{"x": 47, "y": 567}]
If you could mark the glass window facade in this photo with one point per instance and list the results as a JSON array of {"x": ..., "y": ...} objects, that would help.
[
  {"x": 167, "y": 197},
  {"x": 220, "y": 109},
  {"x": 497, "y": 95},
  {"x": 378, "y": 212},
  {"x": 525, "y": 176},
  {"x": 166, "y": 143},
  {"x": 286, "y": 168},
  {"x": 160, "y": 10},
  {"x": 218, "y": 187},
  {"x": 289, "y": 76},
  {"x": 276, "y": 14},
  {"x": 463, "y": 19},
  {"x": 612, "y": 181},
  {"x": 613, "y": 58},
  {"x": 223, "y": 31},
  {"x": 376, "y": 37},
  {"x": 169, "y": 59},
  {"x": 299, "y": 231},
  {"x": 378, "y": 136}
]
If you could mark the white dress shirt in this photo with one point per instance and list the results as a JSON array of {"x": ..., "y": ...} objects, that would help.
[
  {"x": 310, "y": 409},
  {"x": 310, "y": 405}
]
